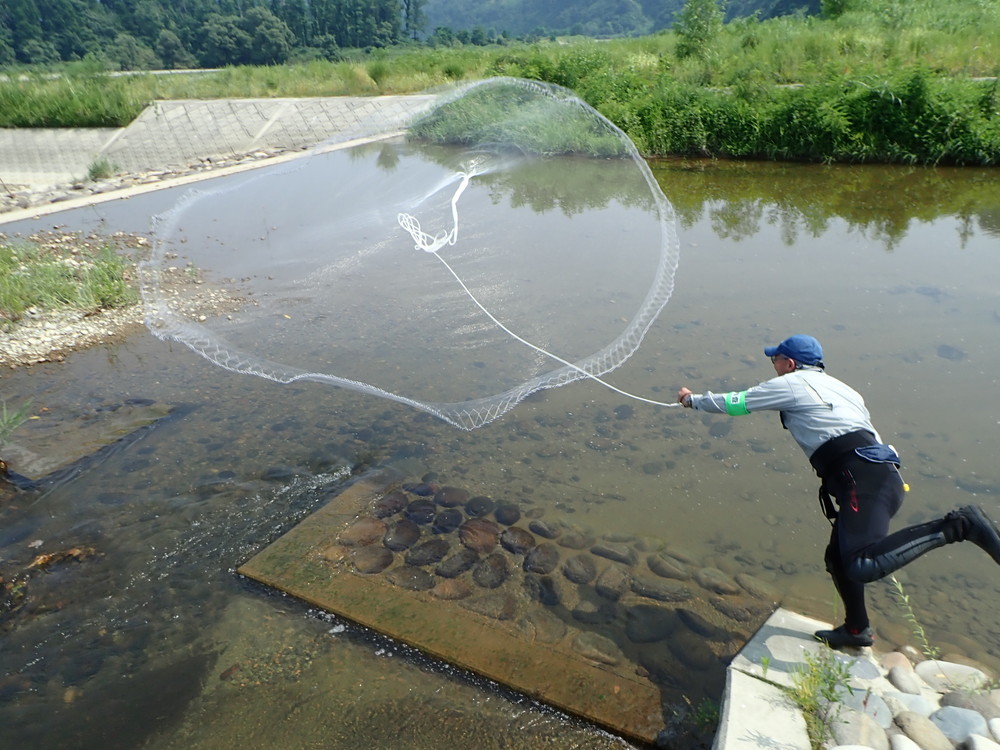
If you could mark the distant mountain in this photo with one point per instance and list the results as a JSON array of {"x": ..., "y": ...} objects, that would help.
[{"x": 589, "y": 17}]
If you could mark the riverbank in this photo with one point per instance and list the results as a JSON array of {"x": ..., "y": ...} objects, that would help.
[{"x": 900, "y": 699}]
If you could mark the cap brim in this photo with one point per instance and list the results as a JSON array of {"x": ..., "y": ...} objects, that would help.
[{"x": 770, "y": 351}]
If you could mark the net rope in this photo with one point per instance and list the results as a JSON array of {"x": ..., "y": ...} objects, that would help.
[{"x": 432, "y": 245}]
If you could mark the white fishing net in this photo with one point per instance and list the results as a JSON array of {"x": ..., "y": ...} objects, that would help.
[{"x": 510, "y": 239}]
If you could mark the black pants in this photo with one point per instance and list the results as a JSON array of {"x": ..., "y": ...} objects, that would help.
[{"x": 868, "y": 495}]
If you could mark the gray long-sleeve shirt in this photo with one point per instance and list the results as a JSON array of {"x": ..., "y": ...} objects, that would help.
[{"x": 815, "y": 407}]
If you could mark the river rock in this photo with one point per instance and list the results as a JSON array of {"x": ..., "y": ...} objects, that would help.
[
  {"x": 613, "y": 582},
  {"x": 667, "y": 567},
  {"x": 544, "y": 529},
  {"x": 595, "y": 613},
  {"x": 447, "y": 521},
  {"x": 542, "y": 626},
  {"x": 732, "y": 610},
  {"x": 905, "y": 680},
  {"x": 479, "y": 534},
  {"x": 421, "y": 511},
  {"x": 598, "y": 648},
  {"x": 451, "y": 497},
  {"x": 978, "y": 702},
  {"x": 543, "y": 589},
  {"x": 922, "y": 730},
  {"x": 458, "y": 563},
  {"x": 507, "y": 514},
  {"x": 918, "y": 704},
  {"x": 958, "y": 723},
  {"x": 408, "y": 577},
  {"x": 422, "y": 489},
  {"x": 616, "y": 551},
  {"x": 696, "y": 623},
  {"x": 648, "y": 623},
  {"x": 758, "y": 588},
  {"x": 692, "y": 650},
  {"x": 491, "y": 571},
  {"x": 389, "y": 505},
  {"x": 543, "y": 559},
  {"x": 869, "y": 704},
  {"x": 428, "y": 553},
  {"x": 401, "y": 535},
  {"x": 575, "y": 540},
  {"x": 580, "y": 568},
  {"x": 948, "y": 676},
  {"x": 516, "y": 540},
  {"x": 852, "y": 727},
  {"x": 978, "y": 742},
  {"x": 498, "y": 605},
  {"x": 363, "y": 531},
  {"x": 715, "y": 580},
  {"x": 372, "y": 559},
  {"x": 451, "y": 589},
  {"x": 902, "y": 742},
  {"x": 479, "y": 506},
  {"x": 660, "y": 589}
]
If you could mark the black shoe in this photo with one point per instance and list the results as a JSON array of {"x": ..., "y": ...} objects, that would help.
[
  {"x": 981, "y": 531},
  {"x": 841, "y": 636}
]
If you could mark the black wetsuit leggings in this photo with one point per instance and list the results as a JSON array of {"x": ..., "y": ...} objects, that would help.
[{"x": 868, "y": 495}]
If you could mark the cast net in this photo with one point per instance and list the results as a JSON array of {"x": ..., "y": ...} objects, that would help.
[{"x": 506, "y": 239}]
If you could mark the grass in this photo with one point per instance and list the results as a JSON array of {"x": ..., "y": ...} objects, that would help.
[
  {"x": 929, "y": 651},
  {"x": 10, "y": 420},
  {"x": 817, "y": 689},
  {"x": 886, "y": 82},
  {"x": 39, "y": 277}
]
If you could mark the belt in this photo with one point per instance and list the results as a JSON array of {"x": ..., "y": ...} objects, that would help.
[{"x": 830, "y": 455}]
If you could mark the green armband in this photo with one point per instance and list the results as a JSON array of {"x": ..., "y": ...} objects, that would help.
[{"x": 736, "y": 404}]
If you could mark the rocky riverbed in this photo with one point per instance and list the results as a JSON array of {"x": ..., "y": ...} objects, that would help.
[{"x": 48, "y": 335}]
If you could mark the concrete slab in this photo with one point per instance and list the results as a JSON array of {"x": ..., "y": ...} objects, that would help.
[
  {"x": 768, "y": 664},
  {"x": 42, "y": 157},
  {"x": 757, "y": 714},
  {"x": 169, "y": 135},
  {"x": 175, "y": 133}
]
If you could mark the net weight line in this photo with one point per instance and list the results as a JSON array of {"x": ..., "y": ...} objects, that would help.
[{"x": 432, "y": 245}]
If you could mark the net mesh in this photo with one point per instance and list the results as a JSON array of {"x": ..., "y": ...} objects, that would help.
[{"x": 566, "y": 257}]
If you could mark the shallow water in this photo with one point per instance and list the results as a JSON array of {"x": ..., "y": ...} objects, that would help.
[{"x": 155, "y": 641}]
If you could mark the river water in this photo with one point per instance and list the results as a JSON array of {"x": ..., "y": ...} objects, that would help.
[{"x": 155, "y": 641}]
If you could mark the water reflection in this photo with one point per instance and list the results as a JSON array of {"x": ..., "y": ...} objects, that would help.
[
  {"x": 880, "y": 204},
  {"x": 155, "y": 639}
]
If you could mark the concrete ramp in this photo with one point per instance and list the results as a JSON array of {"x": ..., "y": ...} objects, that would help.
[
  {"x": 176, "y": 133},
  {"x": 43, "y": 157},
  {"x": 170, "y": 135}
]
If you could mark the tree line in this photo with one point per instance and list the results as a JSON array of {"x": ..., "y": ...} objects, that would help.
[
  {"x": 177, "y": 34},
  {"x": 147, "y": 34}
]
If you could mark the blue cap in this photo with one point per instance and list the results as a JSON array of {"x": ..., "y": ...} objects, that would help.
[{"x": 805, "y": 350}]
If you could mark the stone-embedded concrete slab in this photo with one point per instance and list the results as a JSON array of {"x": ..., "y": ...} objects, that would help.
[{"x": 524, "y": 648}]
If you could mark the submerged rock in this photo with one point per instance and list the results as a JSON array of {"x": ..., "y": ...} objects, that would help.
[
  {"x": 479, "y": 534},
  {"x": 372, "y": 559},
  {"x": 401, "y": 535},
  {"x": 408, "y": 577}
]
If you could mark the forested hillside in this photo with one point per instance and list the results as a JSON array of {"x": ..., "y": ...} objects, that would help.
[
  {"x": 598, "y": 18},
  {"x": 147, "y": 34}
]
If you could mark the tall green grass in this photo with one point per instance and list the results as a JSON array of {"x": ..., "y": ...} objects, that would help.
[
  {"x": 887, "y": 81},
  {"x": 32, "y": 277}
]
